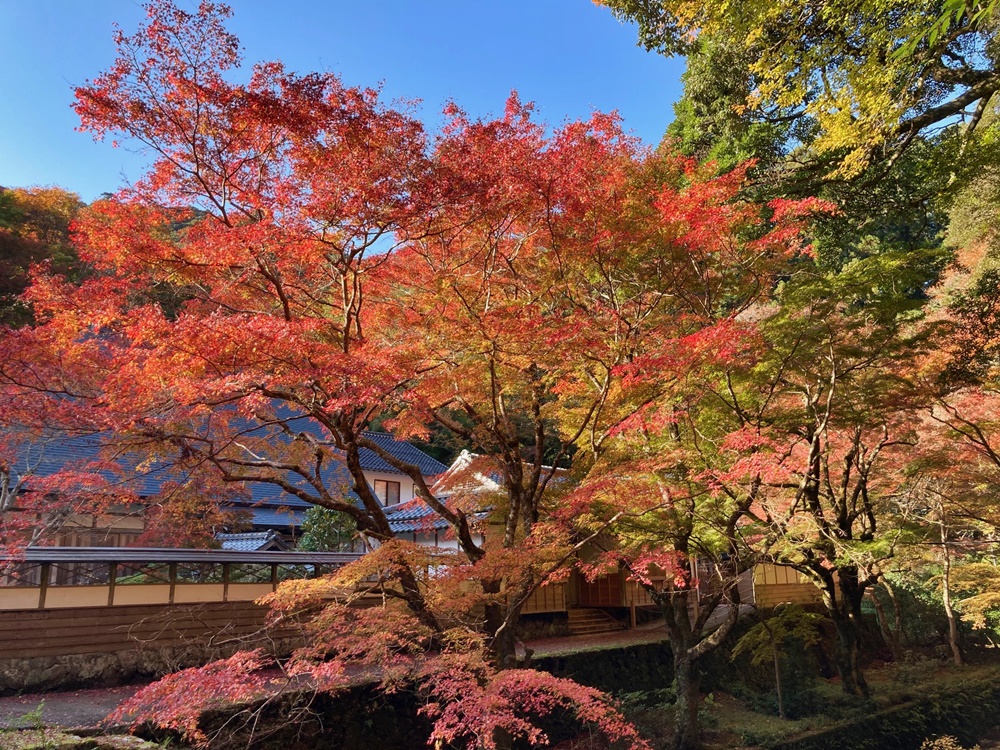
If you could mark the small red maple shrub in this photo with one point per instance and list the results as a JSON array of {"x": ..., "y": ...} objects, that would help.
[{"x": 178, "y": 700}]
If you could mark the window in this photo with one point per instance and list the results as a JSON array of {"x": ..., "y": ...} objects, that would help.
[{"x": 387, "y": 492}]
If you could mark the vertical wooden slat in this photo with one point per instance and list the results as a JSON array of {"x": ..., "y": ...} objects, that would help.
[
  {"x": 173, "y": 581},
  {"x": 112, "y": 578},
  {"x": 225, "y": 582},
  {"x": 44, "y": 587}
]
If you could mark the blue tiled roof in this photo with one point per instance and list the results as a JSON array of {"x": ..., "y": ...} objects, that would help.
[
  {"x": 276, "y": 517},
  {"x": 416, "y": 515},
  {"x": 410, "y": 511},
  {"x": 269, "y": 507},
  {"x": 48, "y": 457},
  {"x": 371, "y": 461}
]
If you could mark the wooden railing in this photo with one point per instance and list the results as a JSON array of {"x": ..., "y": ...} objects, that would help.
[{"x": 58, "y": 577}]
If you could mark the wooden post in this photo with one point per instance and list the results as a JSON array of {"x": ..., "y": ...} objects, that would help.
[
  {"x": 274, "y": 576},
  {"x": 44, "y": 585},
  {"x": 112, "y": 578},
  {"x": 173, "y": 581},
  {"x": 225, "y": 582}
]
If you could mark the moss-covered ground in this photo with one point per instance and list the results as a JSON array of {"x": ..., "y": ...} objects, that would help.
[
  {"x": 55, "y": 739},
  {"x": 909, "y": 700}
]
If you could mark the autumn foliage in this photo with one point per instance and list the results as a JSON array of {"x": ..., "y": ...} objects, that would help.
[{"x": 302, "y": 258}]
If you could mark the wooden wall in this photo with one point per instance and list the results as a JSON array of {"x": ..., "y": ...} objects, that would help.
[
  {"x": 95, "y": 630},
  {"x": 780, "y": 584},
  {"x": 637, "y": 596},
  {"x": 548, "y": 598},
  {"x": 603, "y": 591}
]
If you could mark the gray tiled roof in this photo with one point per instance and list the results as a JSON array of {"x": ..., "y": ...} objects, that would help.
[{"x": 251, "y": 541}]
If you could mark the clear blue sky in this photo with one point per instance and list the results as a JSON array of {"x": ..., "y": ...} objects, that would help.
[{"x": 568, "y": 56}]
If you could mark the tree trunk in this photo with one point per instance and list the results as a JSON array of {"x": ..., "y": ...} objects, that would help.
[
  {"x": 956, "y": 653},
  {"x": 897, "y": 614},
  {"x": 846, "y": 616},
  {"x": 776, "y": 658},
  {"x": 776, "y": 655},
  {"x": 502, "y": 651},
  {"x": 888, "y": 631},
  {"x": 503, "y": 640},
  {"x": 686, "y": 684},
  {"x": 847, "y": 657},
  {"x": 861, "y": 684}
]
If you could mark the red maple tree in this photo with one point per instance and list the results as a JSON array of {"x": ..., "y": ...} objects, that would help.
[{"x": 301, "y": 259}]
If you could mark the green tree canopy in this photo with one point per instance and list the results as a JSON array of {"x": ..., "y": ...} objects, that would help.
[{"x": 865, "y": 76}]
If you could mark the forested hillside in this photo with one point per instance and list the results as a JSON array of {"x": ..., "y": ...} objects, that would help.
[{"x": 34, "y": 229}]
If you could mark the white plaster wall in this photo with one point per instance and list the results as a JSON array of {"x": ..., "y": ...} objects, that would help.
[{"x": 405, "y": 483}]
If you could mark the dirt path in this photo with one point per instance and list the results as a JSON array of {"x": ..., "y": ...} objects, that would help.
[{"x": 70, "y": 709}]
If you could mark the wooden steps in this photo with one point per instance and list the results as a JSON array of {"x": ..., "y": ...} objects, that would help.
[{"x": 588, "y": 621}]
